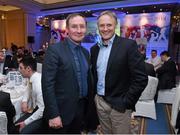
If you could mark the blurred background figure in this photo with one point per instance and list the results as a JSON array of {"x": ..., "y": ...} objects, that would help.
[
  {"x": 155, "y": 60},
  {"x": 2, "y": 59},
  {"x": 7, "y": 107},
  {"x": 167, "y": 72}
]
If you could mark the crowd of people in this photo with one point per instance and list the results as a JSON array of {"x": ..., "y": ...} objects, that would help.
[{"x": 79, "y": 91}]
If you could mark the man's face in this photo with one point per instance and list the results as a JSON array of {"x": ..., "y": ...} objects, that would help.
[
  {"x": 76, "y": 29},
  {"x": 106, "y": 26},
  {"x": 163, "y": 58},
  {"x": 24, "y": 70},
  {"x": 153, "y": 54}
]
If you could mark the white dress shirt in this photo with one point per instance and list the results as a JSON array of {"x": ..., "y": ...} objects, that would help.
[
  {"x": 156, "y": 62},
  {"x": 102, "y": 62},
  {"x": 37, "y": 100},
  {"x": 1, "y": 67}
]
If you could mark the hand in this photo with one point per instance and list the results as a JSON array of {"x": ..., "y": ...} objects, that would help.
[
  {"x": 24, "y": 107},
  {"x": 21, "y": 125},
  {"x": 55, "y": 123}
]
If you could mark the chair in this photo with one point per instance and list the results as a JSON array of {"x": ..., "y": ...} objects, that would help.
[
  {"x": 175, "y": 108},
  {"x": 146, "y": 106},
  {"x": 3, "y": 123},
  {"x": 39, "y": 67},
  {"x": 166, "y": 96}
]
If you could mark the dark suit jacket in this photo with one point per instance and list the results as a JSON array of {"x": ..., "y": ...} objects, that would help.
[
  {"x": 150, "y": 69},
  {"x": 125, "y": 77},
  {"x": 59, "y": 82},
  {"x": 8, "y": 108},
  {"x": 167, "y": 75},
  {"x": 7, "y": 63},
  {"x": 10, "y": 63},
  {"x": 178, "y": 122}
]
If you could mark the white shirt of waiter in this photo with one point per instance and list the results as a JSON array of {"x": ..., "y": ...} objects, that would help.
[
  {"x": 156, "y": 62},
  {"x": 36, "y": 95}
]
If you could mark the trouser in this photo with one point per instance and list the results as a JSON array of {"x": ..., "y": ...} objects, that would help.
[
  {"x": 75, "y": 127},
  {"x": 112, "y": 121},
  {"x": 31, "y": 128}
]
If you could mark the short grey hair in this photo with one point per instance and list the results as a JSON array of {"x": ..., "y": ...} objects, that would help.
[{"x": 109, "y": 13}]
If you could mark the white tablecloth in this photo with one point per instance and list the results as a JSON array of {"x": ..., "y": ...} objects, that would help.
[{"x": 16, "y": 93}]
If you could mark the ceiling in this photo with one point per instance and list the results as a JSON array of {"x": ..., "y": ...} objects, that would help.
[
  {"x": 8, "y": 8},
  {"x": 41, "y": 5},
  {"x": 52, "y": 1},
  {"x": 56, "y": 7}
]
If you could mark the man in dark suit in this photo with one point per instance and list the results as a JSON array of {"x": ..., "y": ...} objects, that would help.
[
  {"x": 7, "y": 107},
  {"x": 150, "y": 69},
  {"x": 167, "y": 72},
  {"x": 66, "y": 78},
  {"x": 119, "y": 75}
]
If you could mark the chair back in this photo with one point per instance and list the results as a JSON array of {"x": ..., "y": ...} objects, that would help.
[
  {"x": 3, "y": 123},
  {"x": 175, "y": 107},
  {"x": 150, "y": 90}
]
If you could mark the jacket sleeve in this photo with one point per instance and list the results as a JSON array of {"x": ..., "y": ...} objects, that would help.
[
  {"x": 10, "y": 110},
  {"x": 138, "y": 78},
  {"x": 49, "y": 70}
]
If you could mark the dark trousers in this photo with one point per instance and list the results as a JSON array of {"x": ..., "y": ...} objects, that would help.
[
  {"x": 32, "y": 128},
  {"x": 76, "y": 126}
]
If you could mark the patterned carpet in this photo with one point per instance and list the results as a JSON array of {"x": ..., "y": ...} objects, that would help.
[
  {"x": 141, "y": 125},
  {"x": 138, "y": 125}
]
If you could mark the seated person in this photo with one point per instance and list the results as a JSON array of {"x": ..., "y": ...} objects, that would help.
[
  {"x": 7, "y": 107},
  {"x": 29, "y": 123},
  {"x": 155, "y": 60},
  {"x": 2, "y": 59},
  {"x": 150, "y": 69}
]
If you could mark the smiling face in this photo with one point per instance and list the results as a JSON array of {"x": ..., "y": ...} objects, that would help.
[
  {"x": 76, "y": 28},
  {"x": 106, "y": 26}
]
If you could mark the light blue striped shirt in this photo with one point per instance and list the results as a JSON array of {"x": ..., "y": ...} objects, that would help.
[{"x": 102, "y": 62}]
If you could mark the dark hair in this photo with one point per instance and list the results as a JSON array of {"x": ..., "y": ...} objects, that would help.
[
  {"x": 41, "y": 53},
  {"x": 165, "y": 53},
  {"x": 29, "y": 61},
  {"x": 154, "y": 51},
  {"x": 70, "y": 16}
]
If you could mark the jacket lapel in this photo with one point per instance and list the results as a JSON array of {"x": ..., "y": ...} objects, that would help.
[
  {"x": 96, "y": 55},
  {"x": 113, "y": 52},
  {"x": 70, "y": 55},
  {"x": 85, "y": 52}
]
